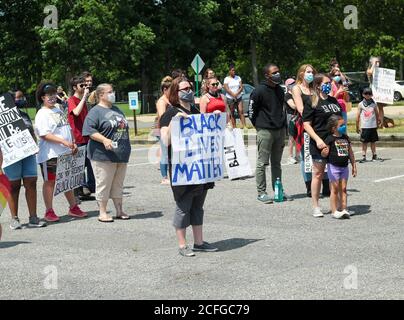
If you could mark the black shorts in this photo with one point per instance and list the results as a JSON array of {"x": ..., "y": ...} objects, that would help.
[
  {"x": 369, "y": 135},
  {"x": 48, "y": 169}
]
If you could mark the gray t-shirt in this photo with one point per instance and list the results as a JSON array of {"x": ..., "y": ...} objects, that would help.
[
  {"x": 112, "y": 124},
  {"x": 367, "y": 114}
]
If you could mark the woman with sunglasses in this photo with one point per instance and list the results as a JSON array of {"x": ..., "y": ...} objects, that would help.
[
  {"x": 315, "y": 118},
  {"x": 212, "y": 100},
  {"x": 189, "y": 199},
  {"x": 55, "y": 139}
]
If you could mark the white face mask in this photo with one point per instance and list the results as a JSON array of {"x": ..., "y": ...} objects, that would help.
[{"x": 111, "y": 97}]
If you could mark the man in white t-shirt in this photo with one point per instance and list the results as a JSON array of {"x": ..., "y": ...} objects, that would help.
[{"x": 234, "y": 91}]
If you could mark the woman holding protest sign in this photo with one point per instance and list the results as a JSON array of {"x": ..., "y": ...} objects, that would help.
[
  {"x": 189, "y": 198},
  {"x": 25, "y": 170},
  {"x": 108, "y": 149},
  {"x": 373, "y": 63},
  {"x": 55, "y": 139}
]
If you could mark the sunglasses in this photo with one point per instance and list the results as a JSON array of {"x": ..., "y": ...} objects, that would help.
[
  {"x": 367, "y": 93},
  {"x": 215, "y": 84},
  {"x": 83, "y": 85}
]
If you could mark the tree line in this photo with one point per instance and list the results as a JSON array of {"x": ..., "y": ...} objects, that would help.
[{"x": 133, "y": 44}]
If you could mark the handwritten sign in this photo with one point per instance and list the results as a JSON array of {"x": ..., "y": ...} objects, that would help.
[
  {"x": 197, "y": 148},
  {"x": 306, "y": 154},
  {"x": 16, "y": 142},
  {"x": 70, "y": 171},
  {"x": 235, "y": 155},
  {"x": 383, "y": 85}
]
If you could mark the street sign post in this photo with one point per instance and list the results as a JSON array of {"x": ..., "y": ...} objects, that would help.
[
  {"x": 133, "y": 98},
  {"x": 197, "y": 64}
]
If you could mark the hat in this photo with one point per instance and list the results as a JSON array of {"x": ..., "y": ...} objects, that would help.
[
  {"x": 289, "y": 81},
  {"x": 367, "y": 90}
]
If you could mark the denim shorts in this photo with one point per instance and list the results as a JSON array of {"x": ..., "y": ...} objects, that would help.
[
  {"x": 25, "y": 168},
  {"x": 318, "y": 158}
]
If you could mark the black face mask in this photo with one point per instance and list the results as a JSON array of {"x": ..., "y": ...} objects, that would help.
[
  {"x": 275, "y": 78},
  {"x": 21, "y": 103}
]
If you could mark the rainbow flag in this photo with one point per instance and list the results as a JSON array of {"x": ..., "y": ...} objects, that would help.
[{"x": 5, "y": 191}]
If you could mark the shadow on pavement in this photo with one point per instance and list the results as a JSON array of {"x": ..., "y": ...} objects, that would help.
[
  {"x": 359, "y": 209},
  {"x": 148, "y": 215},
  {"x": 9, "y": 244},
  {"x": 233, "y": 243},
  {"x": 299, "y": 196}
]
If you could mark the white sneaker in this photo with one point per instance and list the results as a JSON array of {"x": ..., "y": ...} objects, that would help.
[
  {"x": 291, "y": 160},
  {"x": 338, "y": 214},
  {"x": 317, "y": 213},
  {"x": 347, "y": 214}
]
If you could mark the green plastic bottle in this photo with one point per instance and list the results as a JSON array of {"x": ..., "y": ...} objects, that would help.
[{"x": 278, "y": 190}]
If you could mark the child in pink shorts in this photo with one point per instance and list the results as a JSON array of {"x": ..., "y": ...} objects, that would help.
[{"x": 338, "y": 152}]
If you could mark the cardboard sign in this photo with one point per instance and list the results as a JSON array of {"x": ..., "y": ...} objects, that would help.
[
  {"x": 235, "y": 155},
  {"x": 16, "y": 142},
  {"x": 70, "y": 171},
  {"x": 383, "y": 85},
  {"x": 197, "y": 148},
  {"x": 308, "y": 163}
]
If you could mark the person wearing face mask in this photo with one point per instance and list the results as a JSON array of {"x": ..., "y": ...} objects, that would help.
[
  {"x": 339, "y": 90},
  {"x": 189, "y": 199},
  {"x": 108, "y": 149},
  {"x": 55, "y": 139},
  {"x": 268, "y": 116},
  {"x": 77, "y": 112},
  {"x": 302, "y": 93},
  {"x": 315, "y": 118}
]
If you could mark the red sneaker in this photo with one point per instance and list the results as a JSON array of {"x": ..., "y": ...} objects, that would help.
[
  {"x": 51, "y": 216},
  {"x": 76, "y": 212}
]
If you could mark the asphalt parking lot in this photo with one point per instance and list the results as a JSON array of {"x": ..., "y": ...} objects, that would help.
[{"x": 273, "y": 251}]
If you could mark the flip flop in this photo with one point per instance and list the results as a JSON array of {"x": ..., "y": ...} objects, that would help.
[
  {"x": 102, "y": 220},
  {"x": 122, "y": 217}
]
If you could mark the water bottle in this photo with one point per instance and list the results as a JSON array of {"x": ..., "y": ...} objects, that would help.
[{"x": 278, "y": 190}]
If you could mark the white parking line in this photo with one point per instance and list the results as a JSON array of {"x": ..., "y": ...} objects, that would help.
[{"x": 387, "y": 179}]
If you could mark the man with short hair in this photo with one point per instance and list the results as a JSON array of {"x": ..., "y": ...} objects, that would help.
[
  {"x": 269, "y": 118},
  {"x": 77, "y": 112}
]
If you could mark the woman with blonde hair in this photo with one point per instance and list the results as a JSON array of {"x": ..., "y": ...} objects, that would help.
[
  {"x": 108, "y": 149},
  {"x": 301, "y": 94},
  {"x": 315, "y": 118},
  {"x": 162, "y": 105}
]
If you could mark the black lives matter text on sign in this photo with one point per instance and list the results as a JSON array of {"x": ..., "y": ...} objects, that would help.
[
  {"x": 70, "y": 171},
  {"x": 16, "y": 142}
]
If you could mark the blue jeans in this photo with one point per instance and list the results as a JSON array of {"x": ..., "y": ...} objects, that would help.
[
  {"x": 89, "y": 181},
  {"x": 163, "y": 159}
]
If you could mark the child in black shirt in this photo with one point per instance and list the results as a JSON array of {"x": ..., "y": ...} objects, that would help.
[{"x": 338, "y": 152}]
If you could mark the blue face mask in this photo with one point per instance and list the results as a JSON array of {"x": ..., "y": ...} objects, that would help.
[
  {"x": 326, "y": 88},
  {"x": 309, "y": 77},
  {"x": 342, "y": 129},
  {"x": 337, "y": 79}
]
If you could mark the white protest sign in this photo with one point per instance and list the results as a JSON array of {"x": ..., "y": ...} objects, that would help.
[
  {"x": 383, "y": 85},
  {"x": 235, "y": 155},
  {"x": 306, "y": 154},
  {"x": 70, "y": 171},
  {"x": 16, "y": 142},
  {"x": 197, "y": 148}
]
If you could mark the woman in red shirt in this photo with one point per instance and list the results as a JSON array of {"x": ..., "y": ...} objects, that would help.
[{"x": 213, "y": 100}]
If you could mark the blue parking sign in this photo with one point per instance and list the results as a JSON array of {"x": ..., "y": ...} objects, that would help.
[{"x": 133, "y": 100}]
